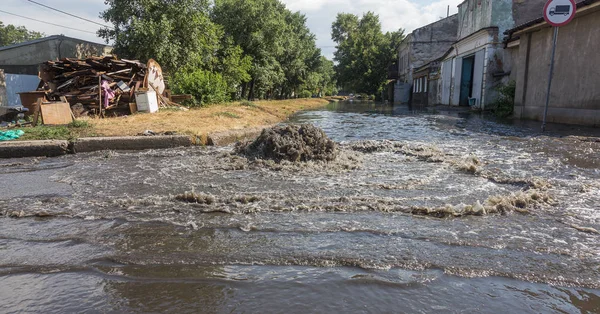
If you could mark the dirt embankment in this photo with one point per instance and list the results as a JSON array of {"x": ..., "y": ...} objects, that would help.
[
  {"x": 201, "y": 122},
  {"x": 198, "y": 122}
]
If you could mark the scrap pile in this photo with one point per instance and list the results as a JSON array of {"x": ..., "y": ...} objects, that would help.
[{"x": 98, "y": 84}]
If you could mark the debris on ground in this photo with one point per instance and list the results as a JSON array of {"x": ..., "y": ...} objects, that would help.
[
  {"x": 98, "y": 83},
  {"x": 10, "y": 135},
  {"x": 295, "y": 143}
]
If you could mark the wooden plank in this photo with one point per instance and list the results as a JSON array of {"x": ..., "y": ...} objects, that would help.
[
  {"x": 56, "y": 113},
  {"x": 36, "y": 112}
]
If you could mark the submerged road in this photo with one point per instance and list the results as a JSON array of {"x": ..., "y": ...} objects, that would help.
[{"x": 435, "y": 211}]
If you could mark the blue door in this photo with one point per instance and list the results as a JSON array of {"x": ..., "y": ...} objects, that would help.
[{"x": 466, "y": 81}]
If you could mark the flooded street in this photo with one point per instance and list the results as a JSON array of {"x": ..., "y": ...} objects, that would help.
[{"x": 438, "y": 211}]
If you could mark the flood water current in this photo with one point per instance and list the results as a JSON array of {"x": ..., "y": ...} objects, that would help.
[{"x": 424, "y": 211}]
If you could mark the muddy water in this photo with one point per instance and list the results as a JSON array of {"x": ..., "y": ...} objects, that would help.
[{"x": 426, "y": 211}]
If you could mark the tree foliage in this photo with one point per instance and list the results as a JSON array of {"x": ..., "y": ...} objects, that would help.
[
  {"x": 282, "y": 48},
  {"x": 10, "y": 34},
  {"x": 363, "y": 52},
  {"x": 177, "y": 34},
  {"x": 258, "y": 48}
]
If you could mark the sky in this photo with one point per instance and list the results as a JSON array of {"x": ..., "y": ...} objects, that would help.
[{"x": 393, "y": 14}]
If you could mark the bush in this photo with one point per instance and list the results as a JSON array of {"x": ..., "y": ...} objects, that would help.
[
  {"x": 371, "y": 97},
  {"x": 305, "y": 94},
  {"x": 206, "y": 87},
  {"x": 504, "y": 105}
]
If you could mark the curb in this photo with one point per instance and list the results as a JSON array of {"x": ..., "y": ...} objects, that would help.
[
  {"x": 92, "y": 144},
  {"x": 54, "y": 148},
  {"x": 51, "y": 148}
]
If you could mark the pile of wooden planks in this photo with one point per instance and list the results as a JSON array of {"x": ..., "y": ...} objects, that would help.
[{"x": 96, "y": 85}]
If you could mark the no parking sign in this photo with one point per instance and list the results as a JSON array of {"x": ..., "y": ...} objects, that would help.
[{"x": 557, "y": 13}]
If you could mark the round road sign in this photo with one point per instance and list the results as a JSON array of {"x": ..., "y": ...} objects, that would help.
[{"x": 559, "y": 12}]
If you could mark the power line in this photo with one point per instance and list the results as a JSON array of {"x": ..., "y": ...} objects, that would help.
[
  {"x": 69, "y": 14},
  {"x": 29, "y": 18}
]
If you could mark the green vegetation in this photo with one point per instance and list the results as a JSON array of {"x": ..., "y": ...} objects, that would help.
[
  {"x": 222, "y": 50},
  {"x": 504, "y": 105},
  {"x": 247, "y": 103},
  {"x": 305, "y": 94},
  {"x": 364, "y": 53},
  {"x": 76, "y": 129},
  {"x": 227, "y": 115},
  {"x": 206, "y": 87},
  {"x": 10, "y": 34}
]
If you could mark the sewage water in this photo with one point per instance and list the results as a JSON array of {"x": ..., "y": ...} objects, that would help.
[{"x": 425, "y": 211}]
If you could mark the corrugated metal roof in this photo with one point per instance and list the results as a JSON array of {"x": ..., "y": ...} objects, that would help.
[
  {"x": 541, "y": 19},
  {"x": 36, "y": 41}
]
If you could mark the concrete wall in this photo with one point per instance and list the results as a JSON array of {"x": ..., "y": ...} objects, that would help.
[
  {"x": 474, "y": 15},
  {"x": 25, "y": 59},
  {"x": 421, "y": 47},
  {"x": 432, "y": 41},
  {"x": 575, "y": 96},
  {"x": 527, "y": 10},
  {"x": 3, "y": 99}
]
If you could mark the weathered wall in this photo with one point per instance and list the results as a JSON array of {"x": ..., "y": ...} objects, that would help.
[
  {"x": 3, "y": 99},
  {"x": 474, "y": 15},
  {"x": 527, "y": 10},
  {"x": 502, "y": 15},
  {"x": 25, "y": 59},
  {"x": 404, "y": 67},
  {"x": 420, "y": 47},
  {"x": 575, "y": 96},
  {"x": 432, "y": 41}
]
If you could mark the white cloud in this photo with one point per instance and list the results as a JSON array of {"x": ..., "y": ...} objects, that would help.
[{"x": 393, "y": 14}]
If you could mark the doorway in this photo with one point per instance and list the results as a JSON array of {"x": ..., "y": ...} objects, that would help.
[{"x": 466, "y": 81}]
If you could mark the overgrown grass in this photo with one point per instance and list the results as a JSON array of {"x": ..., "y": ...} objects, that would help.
[
  {"x": 247, "y": 103},
  {"x": 76, "y": 129},
  {"x": 227, "y": 114}
]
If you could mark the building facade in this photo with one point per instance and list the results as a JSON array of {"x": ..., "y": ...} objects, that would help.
[
  {"x": 418, "y": 49},
  {"x": 574, "y": 96}
]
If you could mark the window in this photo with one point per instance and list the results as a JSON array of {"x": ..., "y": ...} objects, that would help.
[{"x": 425, "y": 84}]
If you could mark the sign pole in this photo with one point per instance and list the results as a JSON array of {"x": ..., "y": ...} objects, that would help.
[{"x": 550, "y": 77}]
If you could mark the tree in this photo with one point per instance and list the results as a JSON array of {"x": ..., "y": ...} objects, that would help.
[
  {"x": 364, "y": 53},
  {"x": 283, "y": 50},
  {"x": 182, "y": 38},
  {"x": 177, "y": 34},
  {"x": 10, "y": 34}
]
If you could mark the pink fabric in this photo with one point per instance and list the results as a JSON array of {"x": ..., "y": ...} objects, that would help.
[{"x": 107, "y": 93}]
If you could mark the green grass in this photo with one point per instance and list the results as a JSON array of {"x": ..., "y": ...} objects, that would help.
[
  {"x": 75, "y": 129},
  {"x": 247, "y": 103},
  {"x": 227, "y": 115}
]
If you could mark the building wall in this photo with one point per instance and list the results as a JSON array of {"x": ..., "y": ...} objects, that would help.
[
  {"x": 575, "y": 96},
  {"x": 3, "y": 99},
  {"x": 25, "y": 59},
  {"x": 488, "y": 64},
  {"x": 474, "y": 15},
  {"x": 527, "y": 10},
  {"x": 420, "y": 47},
  {"x": 432, "y": 41}
]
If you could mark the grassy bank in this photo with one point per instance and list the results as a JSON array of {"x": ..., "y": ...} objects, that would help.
[{"x": 198, "y": 122}]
